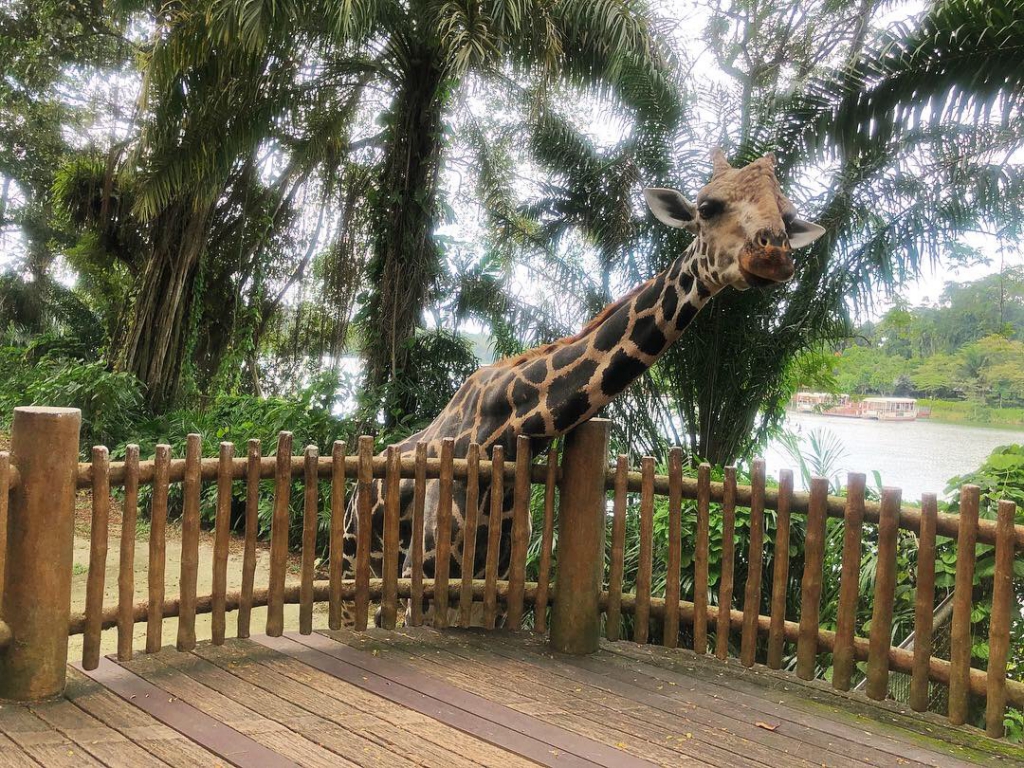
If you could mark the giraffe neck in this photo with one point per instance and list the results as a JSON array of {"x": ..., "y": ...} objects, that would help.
[{"x": 570, "y": 381}]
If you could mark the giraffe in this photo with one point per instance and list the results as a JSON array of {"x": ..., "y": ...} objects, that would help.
[{"x": 745, "y": 231}]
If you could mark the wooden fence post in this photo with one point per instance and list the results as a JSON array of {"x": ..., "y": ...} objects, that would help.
[
  {"x": 37, "y": 593},
  {"x": 576, "y": 616}
]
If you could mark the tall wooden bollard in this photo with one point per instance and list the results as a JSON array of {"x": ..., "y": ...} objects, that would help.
[
  {"x": 576, "y": 615},
  {"x": 40, "y": 548}
]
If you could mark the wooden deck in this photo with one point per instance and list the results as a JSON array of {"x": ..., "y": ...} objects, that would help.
[{"x": 460, "y": 698}]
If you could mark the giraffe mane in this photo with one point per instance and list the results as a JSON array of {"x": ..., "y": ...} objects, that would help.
[{"x": 597, "y": 320}]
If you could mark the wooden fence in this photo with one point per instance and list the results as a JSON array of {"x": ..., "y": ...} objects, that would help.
[{"x": 37, "y": 494}]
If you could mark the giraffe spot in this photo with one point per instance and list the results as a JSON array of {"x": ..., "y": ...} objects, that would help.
[
  {"x": 524, "y": 397},
  {"x": 670, "y": 303},
  {"x": 536, "y": 372},
  {"x": 462, "y": 446},
  {"x": 567, "y": 355},
  {"x": 686, "y": 283},
  {"x": 496, "y": 407},
  {"x": 534, "y": 425},
  {"x": 649, "y": 297},
  {"x": 648, "y": 336},
  {"x": 571, "y": 411},
  {"x": 686, "y": 315},
  {"x": 702, "y": 290},
  {"x": 677, "y": 266},
  {"x": 620, "y": 373},
  {"x": 612, "y": 330},
  {"x": 572, "y": 381}
]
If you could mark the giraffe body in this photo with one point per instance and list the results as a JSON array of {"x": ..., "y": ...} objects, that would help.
[{"x": 745, "y": 229}]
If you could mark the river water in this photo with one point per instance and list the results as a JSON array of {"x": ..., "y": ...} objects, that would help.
[{"x": 918, "y": 456}]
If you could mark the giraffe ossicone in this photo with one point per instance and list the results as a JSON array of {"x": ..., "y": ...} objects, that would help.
[{"x": 745, "y": 231}]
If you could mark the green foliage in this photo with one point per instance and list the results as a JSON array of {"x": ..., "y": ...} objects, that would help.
[{"x": 111, "y": 403}]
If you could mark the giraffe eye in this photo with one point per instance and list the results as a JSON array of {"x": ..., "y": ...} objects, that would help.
[{"x": 710, "y": 208}]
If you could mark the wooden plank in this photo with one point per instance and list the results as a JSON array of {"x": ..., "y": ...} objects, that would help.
[
  {"x": 924, "y": 603},
  {"x": 92, "y": 736},
  {"x": 343, "y": 718},
  {"x": 39, "y": 740},
  {"x": 189, "y": 545},
  {"x": 780, "y": 569},
  {"x": 280, "y": 525},
  {"x": 157, "y": 549},
  {"x": 5, "y": 495},
  {"x": 642, "y": 611},
  {"x": 310, "y": 519},
  {"x": 885, "y": 595},
  {"x": 700, "y": 560},
  {"x": 336, "y": 567},
  {"x": 225, "y": 742},
  {"x": 494, "y": 536},
  {"x": 470, "y": 524},
  {"x": 403, "y": 731},
  {"x": 770, "y": 697},
  {"x": 418, "y": 503},
  {"x": 126, "y": 565},
  {"x": 675, "y": 545},
  {"x": 613, "y": 613},
  {"x": 534, "y": 682},
  {"x": 491, "y": 722},
  {"x": 443, "y": 532},
  {"x": 725, "y": 587},
  {"x": 252, "y": 528},
  {"x": 540, "y": 607},
  {"x": 755, "y": 559},
  {"x": 963, "y": 599},
  {"x": 97, "y": 557},
  {"x": 364, "y": 538},
  {"x": 810, "y": 584},
  {"x": 316, "y": 739},
  {"x": 999, "y": 622},
  {"x": 520, "y": 534},
  {"x": 849, "y": 582},
  {"x": 724, "y": 729},
  {"x": 134, "y": 723},
  {"x": 222, "y": 536},
  {"x": 392, "y": 509}
]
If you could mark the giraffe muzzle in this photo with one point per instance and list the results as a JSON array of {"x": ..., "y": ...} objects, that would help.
[{"x": 764, "y": 265}]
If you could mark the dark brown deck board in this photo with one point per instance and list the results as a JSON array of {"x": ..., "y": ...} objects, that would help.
[
  {"x": 105, "y": 744},
  {"x": 926, "y": 737},
  {"x": 665, "y": 738},
  {"x": 422, "y": 740},
  {"x": 713, "y": 732},
  {"x": 530, "y": 738},
  {"x": 640, "y": 686},
  {"x": 189, "y": 714},
  {"x": 134, "y": 723},
  {"x": 266, "y": 737}
]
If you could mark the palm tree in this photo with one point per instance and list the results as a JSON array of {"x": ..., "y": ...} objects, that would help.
[{"x": 228, "y": 79}]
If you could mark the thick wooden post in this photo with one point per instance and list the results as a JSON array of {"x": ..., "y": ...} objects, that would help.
[
  {"x": 576, "y": 617},
  {"x": 40, "y": 547}
]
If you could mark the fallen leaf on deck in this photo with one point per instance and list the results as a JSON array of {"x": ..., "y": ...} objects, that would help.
[{"x": 766, "y": 726}]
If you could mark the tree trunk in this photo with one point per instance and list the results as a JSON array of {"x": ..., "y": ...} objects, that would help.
[
  {"x": 405, "y": 258},
  {"x": 155, "y": 344}
]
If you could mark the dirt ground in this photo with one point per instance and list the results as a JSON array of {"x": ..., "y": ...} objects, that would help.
[{"x": 80, "y": 575}]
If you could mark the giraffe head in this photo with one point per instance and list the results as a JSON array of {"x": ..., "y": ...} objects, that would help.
[{"x": 745, "y": 227}]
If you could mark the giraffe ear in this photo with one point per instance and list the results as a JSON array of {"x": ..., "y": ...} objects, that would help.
[
  {"x": 803, "y": 233},
  {"x": 670, "y": 207}
]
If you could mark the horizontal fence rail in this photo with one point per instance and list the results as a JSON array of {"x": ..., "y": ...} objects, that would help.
[{"x": 483, "y": 579}]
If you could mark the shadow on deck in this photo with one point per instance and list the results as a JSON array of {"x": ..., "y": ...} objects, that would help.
[{"x": 458, "y": 698}]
